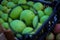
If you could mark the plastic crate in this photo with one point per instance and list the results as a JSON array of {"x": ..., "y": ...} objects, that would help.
[{"x": 47, "y": 26}]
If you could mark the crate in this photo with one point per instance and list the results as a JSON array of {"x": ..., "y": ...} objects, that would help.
[{"x": 48, "y": 26}]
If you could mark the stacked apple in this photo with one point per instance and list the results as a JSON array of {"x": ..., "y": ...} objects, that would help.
[{"x": 22, "y": 18}]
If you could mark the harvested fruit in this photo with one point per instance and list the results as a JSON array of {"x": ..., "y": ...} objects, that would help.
[
  {"x": 31, "y": 3},
  {"x": 5, "y": 9},
  {"x": 15, "y": 1},
  {"x": 27, "y": 30},
  {"x": 50, "y": 36},
  {"x": 40, "y": 14},
  {"x": 44, "y": 18},
  {"x": 1, "y": 13},
  {"x": 48, "y": 11},
  {"x": 57, "y": 28},
  {"x": 1, "y": 21},
  {"x": 1, "y": 7},
  {"x": 10, "y": 4},
  {"x": 18, "y": 25},
  {"x": 4, "y": 2},
  {"x": 10, "y": 20},
  {"x": 38, "y": 6},
  {"x": 35, "y": 21},
  {"x": 26, "y": 18},
  {"x": 16, "y": 12},
  {"x": 5, "y": 25},
  {"x": 22, "y": 2},
  {"x": 4, "y": 16},
  {"x": 38, "y": 26}
]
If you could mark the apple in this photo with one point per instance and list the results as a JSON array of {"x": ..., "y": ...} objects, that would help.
[
  {"x": 27, "y": 30},
  {"x": 5, "y": 25},
  {"x": 27, "y": 16},
  {"x": 40, "y": 13},
  {"x": 35, "y": 21},
  {"x": 4, "y": 2},
  {"x": 1, "y": 21},
  {"x": 1, "y": 13},
  {"x": 25, "y": 7},
  {"x": 31, "y": 3},
  {"x": 57, "y": 28},
  {"x": 15, "y": 1},
  {"x": 5, "y": 9},
  {"x": 18, "y": 25},
  {"x": 10, "y": 4},
  {"x": 48, "y": 10},
  {"x": 38, "y": 26},
  {"x": 22, "y": 2},
  {"x": 16, "y": 12},
  {"x": 18, "y": 35},
  {"x": 10, "y": 20},
  {"x": 50, "y": 36},
  {"x": 4, "y": 16},
  {"x": 1, "y": 7},
  {"x": 44, "y": 18},
  {"x": 38, "y": 6},
  {"x": 58, "y": 36}
]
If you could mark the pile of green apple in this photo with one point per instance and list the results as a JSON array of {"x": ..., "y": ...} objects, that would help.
[{"x": 24, "y": 20}]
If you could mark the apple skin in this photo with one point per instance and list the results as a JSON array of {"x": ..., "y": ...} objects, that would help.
[
  {"x": 27, "y": 16},
  {"x": 31, "y": 3},
  {"x": 35, "y": 21},
  {"x": 10, "y": 4},
  {"x": 48, "y": 10},
  {"x": 38, "y": 6},
  {"x": 5, "y": 25},
  {"x": 4, "y": 2},
  {"x": 18, "y": 25},
  {"x": 44, "y": 18},
  {"x": 27, "y": 30},
  {"x": 4, "y": 16},
  {"x": 15, "y": 1},
  {"x": 1, "y": 21},
  {"x": 57, "y": 28},
  {"x": 50, "y": 36},
  {"x": 22, "y": 2},
  {"x": 1, "y": 7},
  {"x": 16, "y": 12},
  {"x": 1, "y": 13},
  {"x": 40, "y": 13}
]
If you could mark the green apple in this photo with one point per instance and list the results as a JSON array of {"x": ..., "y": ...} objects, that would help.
[
  {"x": 18, "y": 35},
  {"x": 44, "y": 18},
  {"x": 4, "y": 2},
  {"x": 48, "y": 10},
  {"x": 27, "y": 30},
  {"x": 50, "y": 36},
  {"x": 40, "y": 13},
  {"x": 22, "y": 2},
  {"x": 38, "y": 6},
  {"x": 27, "y": 16},
  {"x": 31, "y": 3},
  {"x": 17, "y": 25},
  {"x": 1, "y": 13},
  {"x": 38, "y": 26},
  {"x": 10, "y": 20},
  {"x": 25, "y": 7},
  {"x": 1, "y": 21},
  {"x": 1, "y": 7},
  {"x": 4, "y": 16},
  {"x": 5, "y": 9},
  {"x": 35, "y": 21},
  {"x": 5, "y": 25},
  {"x": 10, "y": 4},
  {"x": 16, "y": 12},
  {"x": 15, "y": 1}
]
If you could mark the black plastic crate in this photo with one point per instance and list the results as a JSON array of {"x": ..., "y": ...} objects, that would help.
[{"x": 47, "y": 26}]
